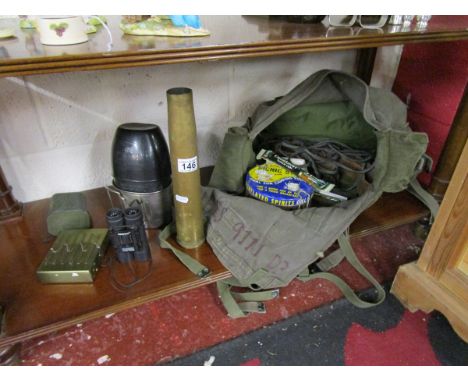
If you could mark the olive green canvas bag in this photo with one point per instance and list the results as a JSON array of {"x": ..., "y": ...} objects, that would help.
[{"x": 265, "y": 247}]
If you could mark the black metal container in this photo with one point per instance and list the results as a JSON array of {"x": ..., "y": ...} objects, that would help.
[
  {"x": 140, "y": 158},
  {"x": 142, "y": 172}
]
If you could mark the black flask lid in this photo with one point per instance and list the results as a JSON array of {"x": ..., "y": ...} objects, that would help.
[{"x": 140, "y": 158}]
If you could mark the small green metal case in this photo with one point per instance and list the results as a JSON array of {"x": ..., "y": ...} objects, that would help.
[
  {"x": 67, "y": 211},
  {"x": 74, "y": 257}
]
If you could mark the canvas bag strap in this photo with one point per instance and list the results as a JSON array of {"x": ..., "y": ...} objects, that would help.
[
  {"x": 239, "y": 304},
  {"x": 193, "y": 265},
  {"x": 425, "y": 197},
  {"x": 414, "y": 187},
  {"x": 327, "y": 263},
  {"x": 347, "y": 252},
  {"x": 331, "y": 261}
]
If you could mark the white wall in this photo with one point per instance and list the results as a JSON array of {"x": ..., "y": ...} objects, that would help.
[{"x": 56, "y": 130}]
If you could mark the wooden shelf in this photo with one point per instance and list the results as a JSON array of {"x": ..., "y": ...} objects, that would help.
[
  {"x": 231, "y": 37},
  {"x": 34, "y": 309}
]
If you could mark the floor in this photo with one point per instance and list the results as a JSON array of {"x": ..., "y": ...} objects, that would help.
[
  {"x": 163, "y": 331},
  {"x": 340, "y": 334}
]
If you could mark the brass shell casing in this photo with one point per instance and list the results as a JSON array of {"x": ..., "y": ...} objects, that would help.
[{"x": 185, "y": 170}]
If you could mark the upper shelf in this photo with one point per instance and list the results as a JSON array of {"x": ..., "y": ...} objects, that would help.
[{"x": 231, "y": 37}]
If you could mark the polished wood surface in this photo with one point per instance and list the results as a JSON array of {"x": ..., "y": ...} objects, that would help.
[
  {"x": 438, "y": 280},
  {"x": 34, "y": 309},
  {"x": 231, "y": 37},
  {"x": 390, "y": 211},
  {"x": 447, "y": 242}
]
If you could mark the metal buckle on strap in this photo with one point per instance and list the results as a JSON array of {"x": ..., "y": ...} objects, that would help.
[
  {"x": 261, "y": 307},
  {"x": 424, "y": 164},
  {"x": 204, "y": 273}
]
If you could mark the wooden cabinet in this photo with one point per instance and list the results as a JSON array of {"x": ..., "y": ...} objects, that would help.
[{"x": 439, "y": 279}]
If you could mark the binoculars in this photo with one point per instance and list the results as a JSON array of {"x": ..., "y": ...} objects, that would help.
[{"x": 127, "y": 234}]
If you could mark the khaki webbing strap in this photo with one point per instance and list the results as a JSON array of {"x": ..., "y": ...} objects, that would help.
[
  {"x": 345, "y": 289},
  {"x": 193, "y": 265},
  {"x": 264, "y": 295},
  {"x": 252, "y": 307},
  {"x": 237, "y": 304},
  {"x": 348, "y": 253},
  {"x": 304, "y": 274},
  {"x": 327, "y": 263},
  {"x": 232, "y": 307},
  {"x": 331, "y": 261},
  {"x": 232, "y": 281},
  {"x": 425, "y": 197}
]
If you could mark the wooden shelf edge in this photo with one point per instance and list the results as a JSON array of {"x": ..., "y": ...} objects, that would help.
[
  {"x": 228, "y": 52},
  {"x": 324, "y": 42}
]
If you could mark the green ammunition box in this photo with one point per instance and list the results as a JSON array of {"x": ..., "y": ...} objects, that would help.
[
  {"x": 74, "y": 257},
  {"x": 67, "y": 211}
]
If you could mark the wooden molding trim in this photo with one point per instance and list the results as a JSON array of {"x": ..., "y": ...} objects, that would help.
[{"x": 417, "y": 290}]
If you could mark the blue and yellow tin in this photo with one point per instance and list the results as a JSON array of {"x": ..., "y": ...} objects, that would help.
[{"x": 278, "y": 186}]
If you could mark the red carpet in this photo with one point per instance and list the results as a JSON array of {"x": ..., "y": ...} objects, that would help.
[
  {"x": 340, "y": 334},
  {"x": 405, "y": 345},
  {"x": 252, "y": 362}
]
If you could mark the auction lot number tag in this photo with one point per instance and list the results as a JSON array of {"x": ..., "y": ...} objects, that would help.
[{"x": 187, "y": 165}]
